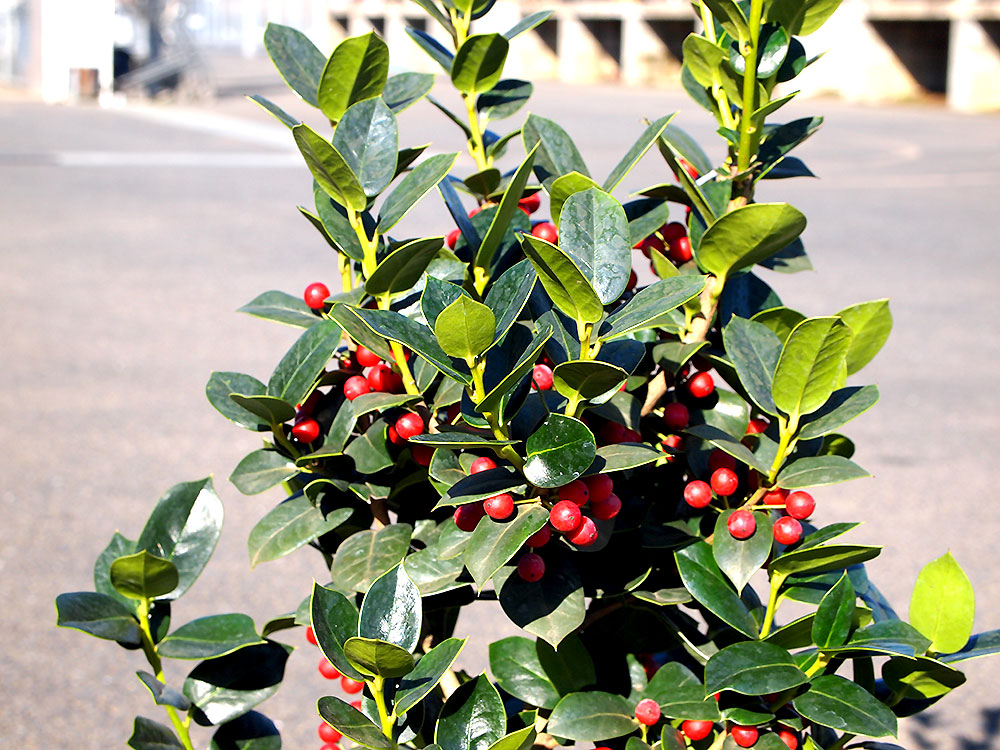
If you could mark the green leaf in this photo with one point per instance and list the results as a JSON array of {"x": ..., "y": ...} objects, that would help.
[
  {"x": 292, "y": 524},
  {"x": 252, "y": 731},
  {"x": 704, "y": 59},
  {"x": 593, "y": 231},
  {"x": 377, "y": 658},
  {"x": 730, "y": 15},
  {"x": 433, "y": 574},
  {"x": 505, "y": 212},
  {"x": 277, "y": 112},
  {"x": 329, "y": 168},
  {"x": 478, "y": 64},
  {"x": 221, "y": 384},
  {"x": 483, "y": 485},
  {"x": 559, "y": 451},
  {"x": 680, "y": 694},
  {"x": 739, "y": 559},
  {"x": 870, "y": 322},
  {"x": 391, "y": 610},
  {"x": 465, "y": 328},
  {"x": 370, "y": 451},
  {"x": 822, "y": 559},
  {"x": 587, "y": 379},
  {"x": 557, "y": 154},
  {"x": 890, "y": 637},
  {"x": 621, "y": 457},
  {"x": 99, "y": 615},
  {"x": 634, "y": 154},
  {"x": 268, "y": 408},
  {"x": 352, "y": 723},
  {"x": 810, "y": 365},
  {"x": 119, "y": 546},
  {"x": 493, "y": 543},
  {"x": 551, "y": 608},
  {"x": 920, "y": 678},
  {"x": 365, "y": 556},
  {"x": 754, "y": 351},
  {"x": 702, "y": 578},
  {"x": 563, "y": 280},
  {"x": 472, "y": 718},
  {"x": 517, "y": 372},
  {"x": 843, "y": 405},
  {"x": 209, "y": 637},
  {"x": 835, "y": 702},
  {"x": 431, "y": 667},
  {"x": 184, "y": 528},
  {"x": 434, "y": 49},
  {"x": 748, "y": 235},
  {"x": 833, "y": 619},
  {"x": 515, "y": 664},
  {"x": 337, "y": 226},
  {"x": 590, "y": 716},
  {"x": 459, "y": 440},
  {"x": 281, "y": 307},
  {"x": 943, "y": 604},
  {"x": 813, "y": 472},
  {"x": 356, "y": 70},
  {"x": 297, "y": 60},
  {"x": 403, "y": 267},
  {"x": 334, "y": 619},
  {"x": 522, "y": 739},
  {"x": 144, "y": 576},
  {"x": 414, "y": 186},
  {"x": 229, "y": 686},
  {"x": 504, "y": 99},
  {"x": 752, "y": 668},
  {"x": 405, "y": 89},
  {"x": 162, "y": 694},
  {"x": 293, "y": 378},
  {"x": 563, "y": 187},
  {"x": 725, "y": 442},
  {"x": 151, "y": 735},
  {"x": 647, "y": 308},
  {"x": 437, "y": 295},
  {"x": 508, "y": 295},
  {"x": 801, "y": 18},
  {"x": 981, "y": 644},
  {"x": 261, "y": 470},
  {"x": 368, "y": 139}
]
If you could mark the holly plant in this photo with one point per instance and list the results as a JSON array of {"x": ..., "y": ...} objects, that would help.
[{"x": 502, "y": 412}]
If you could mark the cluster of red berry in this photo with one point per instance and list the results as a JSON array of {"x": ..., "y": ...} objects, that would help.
[{"x": 327, "y": 733}]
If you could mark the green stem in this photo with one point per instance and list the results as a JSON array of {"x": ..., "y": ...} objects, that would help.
[
  {"x": 777, "y": 580},
  {"x": 844, "y": 739},
  {"x": 719, "y": 93},
  {"x": 645, "y": 731},
  {"x": 149, "y": 649},
  {"x": 786, "y": 443},
  {"x": 478, "y": 393},
  {"x": 377, "y": 686},
  {"x": 283, "y": 441},
  {"x": 476, "y": 147},
  {"x": 749, "y": 49}
]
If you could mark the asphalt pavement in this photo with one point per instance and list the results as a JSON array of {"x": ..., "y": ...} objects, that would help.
[{"x": 130, "y": 236}]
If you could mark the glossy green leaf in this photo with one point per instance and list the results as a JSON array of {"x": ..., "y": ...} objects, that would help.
[
  {"x": 431, "y": 667},
  {"x": 119, "y": 546},
  {"x": 754, "y": 351},
  {"x": 478, "y": 64},
  {"x": 981, "y": 644},
  {"x": 329, "y": 168},
  {"x": 370, "y": 451},
  {"x": 434, "y": 575},
  {"x": 405, "y": 89},
  {"x": 356, "y": 70},
  {"x": 835, "y": 702},
  {"x": 727, "y": 443},
  {"x": 209, "y": 637},
  {"x": 730, "y": 15},
  {"x": 483, "y": 485},
  {"x": 337, "y": 226},
  {"x": 621, "y": 457},
  {"x": 352, "y": 723},
  {"x": 527, "y": 23},
  {"x": 636, "y": 152},
  {"x": 810, "y": 365},
  {"x": 151, "y": 735},
  {"x": 293, "y": 378},
  {"x": 647, "y": 308},
  {"x": 591, "y": 716},
  {"x": 822, "y": 559},
  {"x": 368, "y": 139},
  {"x": 593, "y": 231},
  {"x": 162, "y": 694},
  {"x": 801, "y": 18},
  {"x": 870, "y": 322},
  {"x": 820, "y": 470},
  {"x": 833, "y": 619},
  {"x": 557, "y": 154},
  {"x": 297, "y": 60},
  {"x": 565, "y": 186},
  {"x": 694, "y": 194},
  {"x": 376, "y": 658},
  {"x": 522, "y": 739},
  {"x": 563, "y": 280},
  {"x": 251, "y": 731},
  {"x": 292, "y": 524},
  {"x": 261, "y": 470},
  {"x": 702, "y": 578},
  {"x": 703, "y": 59},
  {"x": 504, "y": 99},
  {"x": 559, "y": 451},
  {"x": 499, "y": 227},
  {"x": 367, "y": 555},
  {"x": 403, "y": 267},
  {"x": 943, "y": 604},
  {"x": 586, "y": 379},
  {"x": 493, "y": 543},
  {"x": 268, "y": 408},
  {"x": 747, "y": 236},
  {"x": 99, "y": 615},
  {"x": 334, "y": 619},
  {"x": 281, "y": 307},
  {"x": 465, "y": 328},
  {"x": 920, "y": 678},
  {"x": 472, "y": 718},
  {"x": 367, "y": 403},
  {"x": 184, "y": 528},
  {"x": 508, "y": 295},
  {"x": 515, "y": 664},
  {"x": 275, "y": 111},
  {"x": 391, "y": 610},
  {"x": 680, "y": 694},
  {"x": 221, "y": 384},
  {"x": 752, "y": 668},
  {"x": 551, "y": 608},
  {"x": 518, "y": 371},
  {"x": 739, "y": 559},
  {"x": 414, "y": 186},
  {"x": 437, "y": 295},
  {"x": 843, "y": 405},
  {"x": 886, "y": 637},
  {"x": 434, "y": 49}
]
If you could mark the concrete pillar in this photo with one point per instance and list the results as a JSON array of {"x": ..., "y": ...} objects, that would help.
[
  {"x": 643, "y": 52},
  {"x": 973, "y": 67},
  {"x": 76, "y": 36},
  {"x": 580, "y": 54}
]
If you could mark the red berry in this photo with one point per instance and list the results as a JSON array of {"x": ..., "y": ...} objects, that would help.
[
  {"x": 742, "y": 524},
  {"x": 611, "y": 433},
  {"x": 328, "y": 733},
  {"x": 422, "y": 454},
  {"x": 356, "y": 705},
  {"x": 787, "y": 530},
  {"x": 632, "y": 280},
  {"x": 565, "y": 516},
  {"x": 530, "y": 203},
  {"x": 355, "y": 386},
  {"x": 307, "y": 408},
  {"x": 540, "y": 538},
  {"x": 697, "y": 730},
  {"x": 585, "y": 534},
  {"x": 467, "y": 516},
  {"x": 541, "y": 376},
  {"x": 674, "y": 442},
  {"x": 483, "y": 463},
  {"x": 315, "y": 295},
  {"x": 311, "y": 636},
  {"x": 576, "y": 491},
  {"x": 366, "y": 357},
  {"x": 688, "y": 167},
  {"x": 546, "y": 230},
  {"x": 724, "y": 482},
  {"x": 756, "y": 426},
  {"x": 673, "y": 230},
  {"x": 600, "y": 487},
  {"x": 606, "y": 509},
  {"x": 531, "y": 567},
  {"x": 701, "y": 385},
  {"x": 410, "y": 425},
  {"x": 452, "y": 239},
  {"x": 306, "y": 430},
  {"x": 631, "y": 436},
  {"x": 499, "y": 506},
  {"x": 351, "y": 686},
  {"x": 329, "y": 671},
  {"x": 744, "y": 736},
  {"x": 647, "y": 712},
  {"x": 393, "y": 435},
  {"x": 800, "y": 505},
  {"x": 329, "y": 746},
  {"x": 384, "y": 379},
  {"x": 777, "y": 496},
  {"x": 680, "y": 250},
  {"x": 789, "y": 737},
  {"x": 676, "y": 416},
  {"x": 651, "y": 243},
  {"x": 719, "y": 459},
  {"x": 698, "y": 494}
]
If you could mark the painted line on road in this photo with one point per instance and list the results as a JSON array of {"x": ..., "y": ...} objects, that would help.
[
  {"x": 224, "y": 126},
  {"x": 197, "y": 159}
]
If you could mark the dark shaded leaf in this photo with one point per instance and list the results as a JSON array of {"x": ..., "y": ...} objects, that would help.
[
  {"x": 292, "y": 524},
  {"x": 209, "y": 637},
  {"x": 297, "y": 60},
  {"x": 99, "y": 615}
]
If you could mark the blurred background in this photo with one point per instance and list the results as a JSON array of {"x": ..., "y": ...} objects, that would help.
[{"x": 143, "y": 199}]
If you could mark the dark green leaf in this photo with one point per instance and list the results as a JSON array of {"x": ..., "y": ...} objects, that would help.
[
  {"x": 252, "y": 731},
  {"x": 437, "y": 295},
  {"x": 472, "y": 718},
  {"x": 730, "y": 15},
  {"x": 515, "y": 664},
  {"x": 509, "y": 294},
  {"x": 493, "y": 543},
  {"x": 752, "y": 668},
  {"x": 261, "y": 470},
  {"x": 367, "y": 555},
  {"x": 697, "y": 199},
  {"x": 434, "y": 49},
  {"x": 403, "y": 267},
  {"x": 725, "y": 442},
  {"x": 505, "y": 212},
  {"x": 833, "y": 619},
  {"x": 478, "y": 64},
  {"x": 981, "y": 644},
  {"x": 557, "y": 155},
  {"x": 943, "y": 604},
  {"x": 754, "y": 351},
  {"x": 391, "y": 610},
  {"x": 329, "y": 168},
  {"x": 405, "y": 89},
  {"x": 680, "y": 694},
  {"x": 357, "y": 70},
  {"x": 634, "y": 154},
  {"x": 812, "y": 472},
  {"x": 377, "y": 658},
  {"x": 748, "y": 235},
  {"x": 551, "y": 608},
  {"x": 119, "y": 546},
  {"x": 352, "y": 724},
  {"x": 591, "y": 716},
  {"x": 739, "y": 559},
  {"x": 843, "y": 405},
  {"x": 647, "y": 308},
  {"x": 163, "y": 695},
  {"x": 293, "y": 378},
  {"x": 517, "y": 371},
  {"x": 99, "y": 615},
  {"x": 368, "y": 139},
  {"x": 822, "y": 559},
  {"x": 833, "y": 701},
  {"x": 221, "y": 384},
  {"x": 417, "y": 183},
  {"x": 297, "y": 60},
  {"x": 559, "y": 451},
  {"x": 870, "y": 322},
  {"x": 563, "y": 280},
  {"x": 151, "y": 735},
  {"x": 593, "y": 231},
  {"x": 483, "y": 485},
  {"x": 920, "y": 678},
  {"x": 281, "y": 307},
  {"x": 504, "y": 99},
  {"x": 434, "y": 575},
  {"x": 886, "y": 637},
  {"x": 621, "y": 457},
  {"x": 292, "y": 524},
  {"x": 337, "y": 226},
  {"x": 702, "y": 578},
  {"x": 429, "y": 670},
  {"x": 209, "y": 637},
  {"x": 334, "y": 619},
  {"x": 527, "y": 23}
]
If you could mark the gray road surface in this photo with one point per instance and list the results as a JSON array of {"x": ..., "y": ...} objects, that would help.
[{"x": 131, "y": 236}]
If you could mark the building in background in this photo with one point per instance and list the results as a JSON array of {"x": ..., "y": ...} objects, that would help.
[{"x": 878, "y": 49}]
